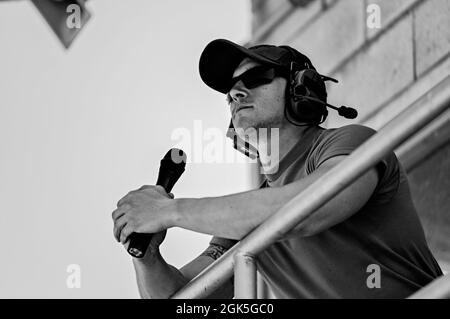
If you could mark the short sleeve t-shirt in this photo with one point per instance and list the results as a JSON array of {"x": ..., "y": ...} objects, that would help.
[{"x": 378, "y": 252}]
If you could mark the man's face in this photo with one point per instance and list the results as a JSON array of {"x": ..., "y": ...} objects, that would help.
[{"x": 259, "y": 107}]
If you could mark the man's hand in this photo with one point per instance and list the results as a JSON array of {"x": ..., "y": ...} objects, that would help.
[{"x": 148, "y": 209}]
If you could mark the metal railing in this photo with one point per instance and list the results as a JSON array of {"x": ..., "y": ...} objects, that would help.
[
  {"x": 437, "y": 289},
  {"x": 241, "y": 257}
]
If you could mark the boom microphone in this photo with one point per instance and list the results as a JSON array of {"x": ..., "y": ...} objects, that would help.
[
  {"x": 345, "y": 111},
  {"x": 170, "y": 170}
]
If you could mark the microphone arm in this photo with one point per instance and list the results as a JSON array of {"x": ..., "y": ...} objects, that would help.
[{"x": 345, "y": 111}]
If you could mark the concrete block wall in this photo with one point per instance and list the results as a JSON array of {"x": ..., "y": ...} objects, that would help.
[
  {"x": 381, "y": 72},
  {"x": 432, "y": 33}
]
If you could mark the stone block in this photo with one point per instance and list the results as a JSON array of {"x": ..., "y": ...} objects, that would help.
[
  {"x": 335, "y": 35},
  {"x": 389, "y": 11},
  {"x": 295, "y": 21},
  {"x": 375, "y": 75},
  {"x": 432, "y": 33}
]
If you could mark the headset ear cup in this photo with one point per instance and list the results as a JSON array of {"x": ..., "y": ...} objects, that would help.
[
  {"x": 294, "y": 89},
  {"x": 304, "y": 84},
  {"x": 300, "y": 89}
]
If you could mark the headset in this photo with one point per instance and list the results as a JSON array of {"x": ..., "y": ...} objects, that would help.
[
  {"x": 306, "y": 94},
  {"x": 306, "y": 102}
]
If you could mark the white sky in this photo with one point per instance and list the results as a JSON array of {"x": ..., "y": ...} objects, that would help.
[{"x": 81, "y": 128}]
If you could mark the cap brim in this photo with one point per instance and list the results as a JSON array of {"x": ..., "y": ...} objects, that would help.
[{"x": 220, "y": 58}]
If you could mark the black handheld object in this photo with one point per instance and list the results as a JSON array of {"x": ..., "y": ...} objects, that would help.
[{"x": 172, "y": 166}]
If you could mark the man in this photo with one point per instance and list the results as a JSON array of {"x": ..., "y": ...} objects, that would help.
[{"x": 372, "y": 224}]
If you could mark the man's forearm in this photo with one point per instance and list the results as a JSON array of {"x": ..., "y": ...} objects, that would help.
[
  {"x": 234, "y": 216},
  {"x": 231, "y": 216},
  {"x": 156, "y": 279}
]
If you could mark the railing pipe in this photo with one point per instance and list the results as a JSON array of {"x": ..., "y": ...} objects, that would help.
[
  {"x": 437, "y": 289},
  {"x": 244, "y": 276}
]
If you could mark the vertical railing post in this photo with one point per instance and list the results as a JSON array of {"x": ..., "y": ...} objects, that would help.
[
  {"x": 262, "y": 290},
  {"x": 244, "y": 276}
]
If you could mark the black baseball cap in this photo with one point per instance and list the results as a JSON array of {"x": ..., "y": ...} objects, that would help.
[{"x": 221, "y": 57}]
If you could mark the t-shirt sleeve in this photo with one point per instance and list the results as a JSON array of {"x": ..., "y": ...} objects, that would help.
[{"x": 343, "y": 141}]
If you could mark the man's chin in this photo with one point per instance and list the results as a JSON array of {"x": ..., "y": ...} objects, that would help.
[{"x": 242, "y": 123}]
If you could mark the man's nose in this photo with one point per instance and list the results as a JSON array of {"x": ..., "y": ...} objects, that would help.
[{"x": 238, "y": 92}]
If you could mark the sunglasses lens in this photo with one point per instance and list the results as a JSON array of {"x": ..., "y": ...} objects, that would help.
[
  {"x": 256, "y": 81},
  {"x": 255, "y": 77}
]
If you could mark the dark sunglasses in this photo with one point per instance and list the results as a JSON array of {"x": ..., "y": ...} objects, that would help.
[{"x": 256, "y": 76}]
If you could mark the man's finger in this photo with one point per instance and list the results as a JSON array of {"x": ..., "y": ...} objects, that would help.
[
  {"x": 126, "y": 244},
  {"x": 118, "y": 226},
  {"x": 127, "y": 230},
  {"x": 118, "y": 212},
  {"x": 160, "y": 189},
  {"x": 125, "y": 198}
]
